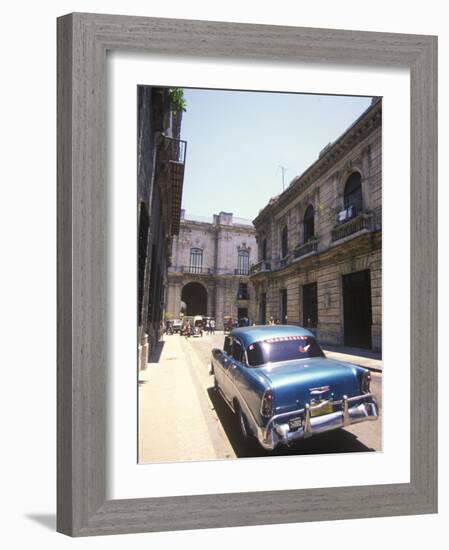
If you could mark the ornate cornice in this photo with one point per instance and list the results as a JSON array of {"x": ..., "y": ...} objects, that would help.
[{"x": 236, "y": 228}]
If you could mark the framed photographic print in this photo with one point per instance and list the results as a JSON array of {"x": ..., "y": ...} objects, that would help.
[
  {"x": 230, "y": 314},
  {"x": 307, "y": 270}
]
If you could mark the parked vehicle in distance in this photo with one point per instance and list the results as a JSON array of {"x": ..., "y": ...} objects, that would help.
[
  {"x": 282, "y": 388},
  {"x": 176, "y": 325},
  {"x": 198, "y": 325}
]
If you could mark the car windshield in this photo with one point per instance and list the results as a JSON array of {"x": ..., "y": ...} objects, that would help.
[{"x": 282, "y": 348}]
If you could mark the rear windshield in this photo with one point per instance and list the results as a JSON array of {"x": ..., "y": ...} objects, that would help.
[{"x": 283, "y": 348}]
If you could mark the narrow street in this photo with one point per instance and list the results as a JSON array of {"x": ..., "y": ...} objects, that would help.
[{"x": 182, "y": 418}]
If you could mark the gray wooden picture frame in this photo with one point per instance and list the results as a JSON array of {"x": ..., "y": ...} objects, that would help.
[{"x": 83, "y": 40}]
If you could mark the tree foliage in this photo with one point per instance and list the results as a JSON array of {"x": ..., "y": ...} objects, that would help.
[{"x": 178, "y": 101}]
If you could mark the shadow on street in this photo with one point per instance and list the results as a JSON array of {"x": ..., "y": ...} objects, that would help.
[
  {"x": 336, "y": 441},
  {"x": 155, "y": 354}
]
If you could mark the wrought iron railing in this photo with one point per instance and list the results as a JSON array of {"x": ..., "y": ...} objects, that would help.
[
  {"x": 196, "y": 270},
  {"x": 354, "y": 225},
  {"x": 305, "y": 248},
  {"x": 174, "y": 150}
]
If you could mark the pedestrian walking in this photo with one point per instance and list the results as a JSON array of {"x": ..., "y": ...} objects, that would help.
[{"x": 212, "y": 326}]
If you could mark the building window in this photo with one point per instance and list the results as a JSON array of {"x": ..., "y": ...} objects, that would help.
[
  {"x": 283, "y": 296},
  {"x": 263, "y": 308},
  {"x": 243, "y": 262},
  {"x": 353, "y": 195},
  {"x": 309, "y": 223},
  {"x": 264, "y": 249},
  {"x": 284, "y": 242},
  {"x": 196, "y": 260},
  {"x": 310, "y": 305},
  {"x": 243, "y": 291}
]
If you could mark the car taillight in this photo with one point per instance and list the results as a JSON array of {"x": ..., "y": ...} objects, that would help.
[
  {"x": 266, "y": 407},
  {"x": 366, "y": 381}
]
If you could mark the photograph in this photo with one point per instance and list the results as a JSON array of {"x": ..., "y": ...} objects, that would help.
[{"x": 259, "y": 274}]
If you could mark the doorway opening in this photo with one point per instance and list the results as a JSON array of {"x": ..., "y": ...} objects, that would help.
[{"x": 357, "y": 309}]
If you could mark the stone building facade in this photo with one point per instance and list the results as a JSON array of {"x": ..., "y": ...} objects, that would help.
[
  {"x": 160, "y": 176},
  {"x": 209, "y": 274},
  {"x": 320, "y": 242}
]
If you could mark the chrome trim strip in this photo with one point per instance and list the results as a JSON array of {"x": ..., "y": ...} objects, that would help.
[{"x": 225, "y": 399}]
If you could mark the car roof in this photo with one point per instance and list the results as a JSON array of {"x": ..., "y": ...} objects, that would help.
[{"x": 249, "y": 335}]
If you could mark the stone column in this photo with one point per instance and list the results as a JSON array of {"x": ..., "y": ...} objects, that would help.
[
  {"x": 219, "y": 304},
  {"x": 210, "y": 299},
  {"x": 177, "y": 300}
]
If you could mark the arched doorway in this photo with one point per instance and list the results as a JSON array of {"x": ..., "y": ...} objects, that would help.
[{"x": 194, "y": 295}]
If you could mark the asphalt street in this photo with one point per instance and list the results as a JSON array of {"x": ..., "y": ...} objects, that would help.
[{"x": 181, "y": 416}]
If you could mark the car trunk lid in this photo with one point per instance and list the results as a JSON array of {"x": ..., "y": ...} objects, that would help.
[{"x": 296, "y": 383}]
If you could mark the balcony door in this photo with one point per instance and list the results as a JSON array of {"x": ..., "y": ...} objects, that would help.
[{"x": 196, "y": 260}]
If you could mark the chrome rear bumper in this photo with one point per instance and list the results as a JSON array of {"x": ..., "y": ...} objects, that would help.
[{"x": 351, "y": 411}]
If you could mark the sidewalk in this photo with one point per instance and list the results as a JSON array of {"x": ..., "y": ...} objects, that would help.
[
  {"x": 171, "y": 421},
  {"x": 364, "y": 358}
]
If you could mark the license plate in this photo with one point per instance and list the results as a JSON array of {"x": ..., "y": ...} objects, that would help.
[
  {"x": 295, "y": 423},
  {"x": 318, "y": 409}
]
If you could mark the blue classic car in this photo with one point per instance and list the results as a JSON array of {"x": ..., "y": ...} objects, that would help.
[{"x": 282, "y": 388}]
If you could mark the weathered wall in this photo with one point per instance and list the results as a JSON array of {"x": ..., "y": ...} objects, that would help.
[
  {"x": 155, "y": 117},
  {"x": 337, "y": 249},
  {"x": 220, "y": 242}
]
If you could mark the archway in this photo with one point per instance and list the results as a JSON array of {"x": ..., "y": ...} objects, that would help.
[{"x": 195, "y": 297}]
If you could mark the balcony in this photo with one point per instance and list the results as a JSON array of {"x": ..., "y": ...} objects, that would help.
[
  {"x": 241, "y": 272},
  {"x": 260, "y": 267},
  {"x": 362, "y": 221},
  {"x": 196, "y": 270},
  {"x": 306, "y": 248},
  {"x": 173, "y": 152}
]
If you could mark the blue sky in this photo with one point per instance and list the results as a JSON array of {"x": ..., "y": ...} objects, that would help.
[{"x": 237, "y": 142}]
